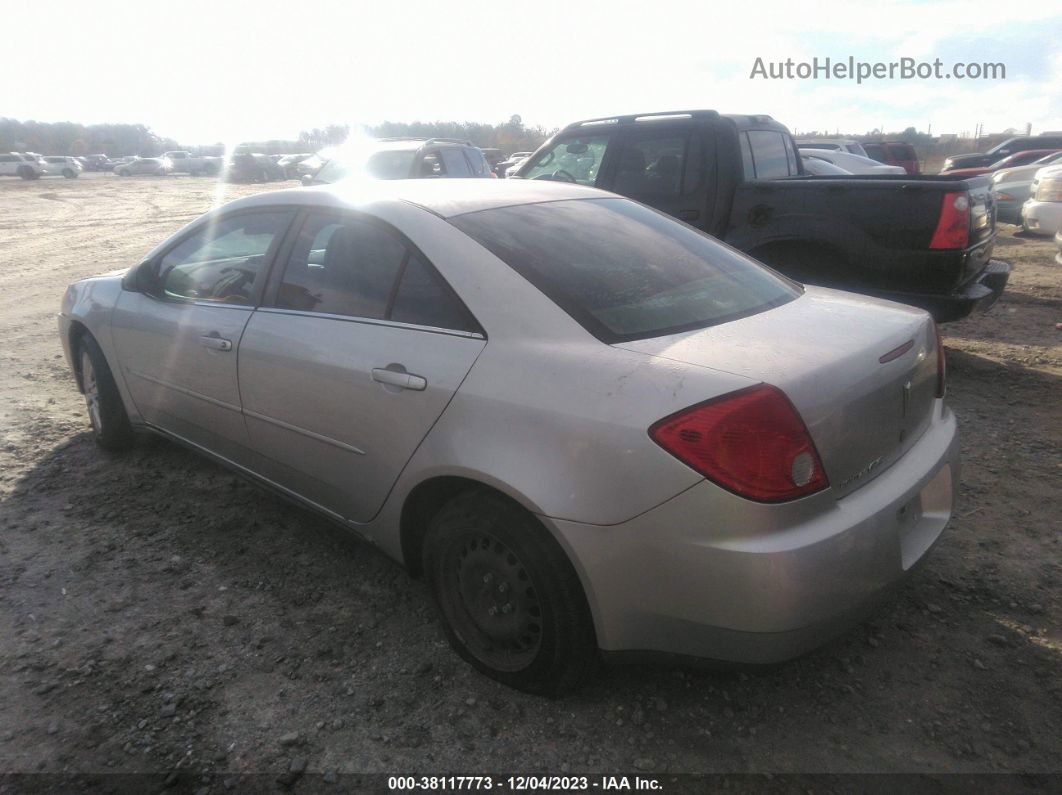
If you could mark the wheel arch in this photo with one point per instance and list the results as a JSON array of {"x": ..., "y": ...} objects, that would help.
[
  {"x": 75, "y": 334},
  {"x": 425, "y": 499}
]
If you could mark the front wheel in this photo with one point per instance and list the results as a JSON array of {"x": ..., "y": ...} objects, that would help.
[
  {"x": 110, "y": 423},
  {"x": 510, "y": 599}
]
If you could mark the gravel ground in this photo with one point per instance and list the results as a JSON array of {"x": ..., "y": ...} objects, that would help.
[{"x": 158, "y": 614}]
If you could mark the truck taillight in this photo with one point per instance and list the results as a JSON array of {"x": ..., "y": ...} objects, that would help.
[
  {"x": 953, "y": 228},
  {"x": 942, "y": 365},
  {"x": 751, "y": 442}
]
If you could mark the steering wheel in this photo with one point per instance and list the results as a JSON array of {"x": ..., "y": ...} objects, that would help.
[{"x": 563, "y": 176}]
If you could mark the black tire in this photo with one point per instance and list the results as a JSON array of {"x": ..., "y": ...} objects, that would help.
[
  {"x": 510, "y": 600},
  {"x": 26, "y": 172},
  {"x": 124, "y": 172},
  {"x": 110, "y": 423},
  {"x": 69, "y": 173}
]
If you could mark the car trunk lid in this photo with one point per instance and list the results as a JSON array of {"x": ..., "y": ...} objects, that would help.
[{"x": 863, "y": 382}]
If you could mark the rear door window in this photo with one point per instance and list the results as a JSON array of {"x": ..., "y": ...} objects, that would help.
[
  {"x": 424, "y": 299},
  {"x": 456, "y": 165},
  {"x": 771, "y": 154},
  {"x": 652, "y": 164},
  {"x": 360, "y": 268},
  {"x": 571, "y": 160},
  {"x": 341, "y": 267}
]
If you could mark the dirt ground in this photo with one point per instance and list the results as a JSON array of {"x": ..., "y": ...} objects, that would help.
[{"x": 158, "y": 614}]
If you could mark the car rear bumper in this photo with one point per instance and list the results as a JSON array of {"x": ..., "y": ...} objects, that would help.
[
  {"x": 979, "y": 294},
  {"x": 710, "y": 575}
]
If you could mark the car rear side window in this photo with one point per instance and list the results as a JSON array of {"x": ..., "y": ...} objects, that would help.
[
  {"x": 424, "y": 299},
  {"x": 341, "y": 267},
  {"x": 624, "y": 271},
  {"x": 222, "y": 261},
  {"x": 771, "y": 154}
]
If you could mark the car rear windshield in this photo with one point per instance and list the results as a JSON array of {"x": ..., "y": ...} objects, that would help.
[{"x": 624, "y": 271}]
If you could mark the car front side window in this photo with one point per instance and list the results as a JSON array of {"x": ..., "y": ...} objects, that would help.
[{"x": 223, "y": 260}]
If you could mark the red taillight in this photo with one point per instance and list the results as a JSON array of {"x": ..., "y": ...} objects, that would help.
[
  {"x": 953, "y": 228},
  {"x": 751, "y": 442},
  {"x": 942, "y": 367}
]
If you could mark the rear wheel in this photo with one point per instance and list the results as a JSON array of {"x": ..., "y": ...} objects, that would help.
[
  {"x": 26, "y": 172},
  {"x": 69, "y": 173},
  {"x": 511, "y": 601},
  {"x": 124, "y": 172},
  {"x": 110, "y": 423}
]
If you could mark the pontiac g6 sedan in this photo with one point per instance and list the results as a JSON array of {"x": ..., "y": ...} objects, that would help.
[{"x": 591, "y": 428}]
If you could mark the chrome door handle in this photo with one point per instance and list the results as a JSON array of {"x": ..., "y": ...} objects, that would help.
[
  {"x": 215, "y": 343},
  {"x": 399, "y": 379}
]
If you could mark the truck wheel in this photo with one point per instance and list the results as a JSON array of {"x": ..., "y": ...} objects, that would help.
[
  {"x": 510, "y": 600},
  {"x": 25, "y": 172},
  {"x": 110, "y": 423},
  {"x": 69, "y": 173}
]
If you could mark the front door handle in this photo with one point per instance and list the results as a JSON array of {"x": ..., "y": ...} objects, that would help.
[
  {"x": 400, "y": 379},
  {"x": 214, "y": 342}
]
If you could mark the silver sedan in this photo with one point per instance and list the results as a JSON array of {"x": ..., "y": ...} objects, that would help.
[{"x": 594, "y": 431}]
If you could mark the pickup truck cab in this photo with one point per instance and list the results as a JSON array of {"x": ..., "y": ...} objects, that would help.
[
  {"x": 925, "y": 241},
  {"x": 185, "y": 163}
]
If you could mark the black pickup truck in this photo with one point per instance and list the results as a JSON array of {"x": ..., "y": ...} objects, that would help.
[{"x": 921, "y": 240}]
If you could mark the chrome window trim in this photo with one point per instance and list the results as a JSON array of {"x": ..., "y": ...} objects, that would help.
[{"x": 372, "y": 321}]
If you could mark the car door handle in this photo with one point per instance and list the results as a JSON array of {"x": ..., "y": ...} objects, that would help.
[
  {"x": 399, "y": 379},
  {"x": 215, "y": 343}
]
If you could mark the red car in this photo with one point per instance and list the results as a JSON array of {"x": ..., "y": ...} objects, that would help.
[
  {"x": 1017, "y": 159},
  {"x": 894, "y": 153}
]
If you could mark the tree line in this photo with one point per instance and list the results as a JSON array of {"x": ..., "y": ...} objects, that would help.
[{"x": 71, "y": 138}]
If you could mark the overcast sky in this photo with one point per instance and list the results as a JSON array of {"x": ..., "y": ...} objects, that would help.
[{"x": 202, "y": 72}]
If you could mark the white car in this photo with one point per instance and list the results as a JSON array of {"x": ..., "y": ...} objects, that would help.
[
  {"x": 55, "y": 166},
  {"x": 834, "y": 144},
  {"x": 853, "y": 164},
  {"x": 14, "y": 164},
  {"x": 817, "y": 167},
  {"x": 1042, "y": 213}
]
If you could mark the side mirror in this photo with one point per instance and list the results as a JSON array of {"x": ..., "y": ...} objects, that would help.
[
  {"x": 306, "y": 180},
  {"x": 140, "y": 278}
]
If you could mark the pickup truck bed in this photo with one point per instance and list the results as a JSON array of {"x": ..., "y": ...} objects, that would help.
[{"x": 921, "y": 240}]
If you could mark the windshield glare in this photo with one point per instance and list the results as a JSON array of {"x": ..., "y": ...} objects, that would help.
[{"x": 388, "y": 164}]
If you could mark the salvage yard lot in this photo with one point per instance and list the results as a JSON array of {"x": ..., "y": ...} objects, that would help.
[{"x": 159, "y": 614}]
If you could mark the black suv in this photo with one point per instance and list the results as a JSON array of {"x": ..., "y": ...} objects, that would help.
[{"x": 404, "y": 158}]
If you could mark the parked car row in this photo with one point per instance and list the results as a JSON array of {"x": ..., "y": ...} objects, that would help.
[{"x": 30, "y": 165}]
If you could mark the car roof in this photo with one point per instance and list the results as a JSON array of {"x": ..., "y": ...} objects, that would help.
[{"x": 446, "y": 198}]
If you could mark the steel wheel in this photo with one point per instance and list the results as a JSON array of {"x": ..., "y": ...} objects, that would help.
[
  {"x": 509, "y": 598},
  {"x": 493, "y": 604},
  {"x": 92, "y": 391}
]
